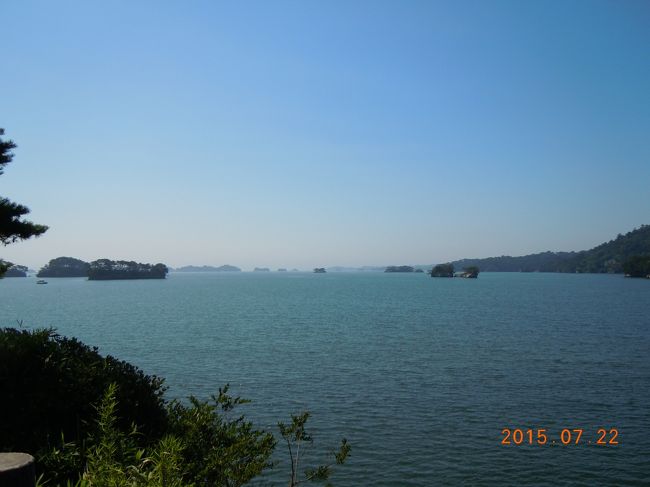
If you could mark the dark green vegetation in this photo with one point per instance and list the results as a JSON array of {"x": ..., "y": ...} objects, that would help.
[
  {"x": 105, "y": 269},
  {"x": 542, "y": 262},
  {"x": 208, "y": 268},
  {"x": 608, "y": 257},
  {"x": 12, "y": 227},
  {"x": 16, "y": 271},
  {"x": 443, "y": 270},
  {"x": 102, "y": 269},
  {"x": 64, "y": 267},
  {"x": 400, "y": 268},
  {"x": 320, "y": 270},
  {"x": 637, "y": 266},
  {"x": 51, "y": 386}
]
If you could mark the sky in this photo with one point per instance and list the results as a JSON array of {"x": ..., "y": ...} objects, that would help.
[{"x": 322, "y": 133}]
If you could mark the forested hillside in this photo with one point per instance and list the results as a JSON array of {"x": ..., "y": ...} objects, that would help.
[{"x": 606, "y": 257}]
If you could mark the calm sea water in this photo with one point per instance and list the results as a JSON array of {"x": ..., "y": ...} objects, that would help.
[{"x": 420, "y": 374}]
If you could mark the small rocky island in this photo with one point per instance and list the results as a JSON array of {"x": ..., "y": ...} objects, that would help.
[
  {"x": 443, "y": 270},
  {"x": 261, "y": 269},
  {"x": 319, "y": 270},
  {"x": 447, "y": 270},
  {"x": 105, "y": 269},
  {"x": 470, "y": 272}
]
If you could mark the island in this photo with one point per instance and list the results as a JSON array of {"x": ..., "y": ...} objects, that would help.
[
  {"x": 105, "y": 269},
  {"x": 470, "y": 272},
  {"x": 282, "y": 269},
  {"x": 208, "y": 268},
  {"x": 399, "y": 268},
  {"x": 319, "y": 270},
  {"x": 65, "y": 267},
  {"x": 16, "y": 271},
  {"x": 261, "y": 269},
  {"x": 443, "y": 270}
]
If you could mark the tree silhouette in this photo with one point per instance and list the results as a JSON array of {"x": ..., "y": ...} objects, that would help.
[{"x": 12, "y": 227}]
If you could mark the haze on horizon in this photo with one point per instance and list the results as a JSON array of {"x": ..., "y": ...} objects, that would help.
[{"x": 304, "y": 134}]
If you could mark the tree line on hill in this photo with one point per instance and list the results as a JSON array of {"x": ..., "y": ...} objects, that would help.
[{"x": 612, "y": 257}]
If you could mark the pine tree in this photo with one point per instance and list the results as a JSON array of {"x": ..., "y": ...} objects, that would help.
[{"x": 12, "y": 227}]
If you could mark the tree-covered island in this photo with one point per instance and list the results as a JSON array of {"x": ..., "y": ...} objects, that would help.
[
  {"x": 470, "y": 272},
  {"x": 64, "y": 267},
  {"x": 105, "y": 269},
  {"x": 16, "y": 270},
  {"x": 399, "y": 268},
  {"x": 447, "y": 270},
  {"x": 443, "y": 270}
]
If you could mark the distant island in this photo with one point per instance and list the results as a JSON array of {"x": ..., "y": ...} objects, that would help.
[
  {"x": 282, "y": 269},
  {"x": 208, "y": 268},
  {"x": 470, "y": 272},
  {"x": 319, "y": 270},
  {"x": 399, "y": 268},
  {"x": 442, "y": 270},
  {"x": 447, "y": 270},
  {"x": 261, "y": 269},
  {"x": 105, "y": 269},
  {"x": 356, "y": 269},
  {"x": 65, "y": 267},
  {"x": 16, "y": 271},
  {"x": 613, "y": 257}
]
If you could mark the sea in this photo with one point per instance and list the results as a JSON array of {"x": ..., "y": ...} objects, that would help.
[{"x": 429, "y": 379}]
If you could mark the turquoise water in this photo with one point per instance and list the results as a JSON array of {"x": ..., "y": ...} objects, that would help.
[{"x": 420, "y": 374}]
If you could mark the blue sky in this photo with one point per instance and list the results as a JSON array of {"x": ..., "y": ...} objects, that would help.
[{"x": 305, "y": 133}]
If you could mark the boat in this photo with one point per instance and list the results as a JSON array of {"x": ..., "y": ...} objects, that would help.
[{"x": 41, "y": 281}]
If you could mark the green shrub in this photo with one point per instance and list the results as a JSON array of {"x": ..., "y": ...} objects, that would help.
[
  {"x": 92, "y": 421},
  {"x": 50, "y": 385},
  {"x": 219, "y": 450}
]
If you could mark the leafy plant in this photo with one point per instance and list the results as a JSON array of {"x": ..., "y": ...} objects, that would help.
[
  {"x": 298, "y": 439},
  {"x": 133, "y": 437},
  {"x": 49, "y": 385},
  {"x": 220, "y": 450}
]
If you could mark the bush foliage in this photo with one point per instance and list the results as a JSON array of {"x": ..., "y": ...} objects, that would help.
[{"x": 97, "y": 421}]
